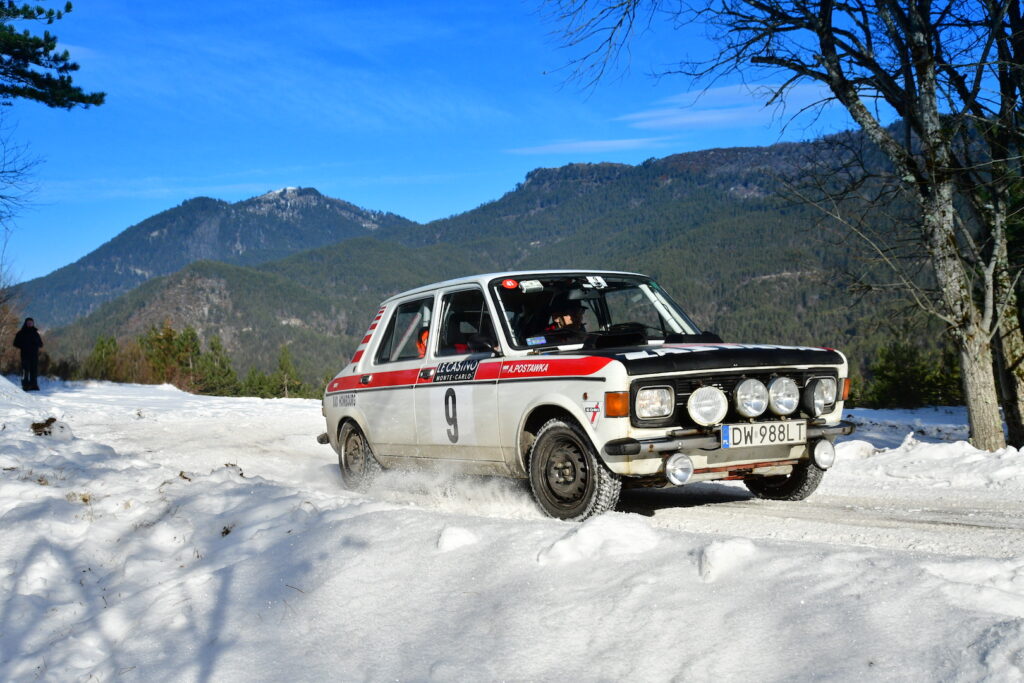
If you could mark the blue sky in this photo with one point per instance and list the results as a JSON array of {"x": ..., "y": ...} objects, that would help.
[{"x": 426, "y": 109}]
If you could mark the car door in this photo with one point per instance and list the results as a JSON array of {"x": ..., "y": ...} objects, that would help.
[
  {"x": 387, "y": 385},
  {"x": 456, "y": 400}
]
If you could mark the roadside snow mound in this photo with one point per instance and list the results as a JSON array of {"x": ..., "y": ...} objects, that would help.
[
  {"x": 940, "y": 465},
  {"x": 13, "y": 399},
  {"x": 608, "y": 535}
]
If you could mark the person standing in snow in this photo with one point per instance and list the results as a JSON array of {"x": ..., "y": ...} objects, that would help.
[{"x": 28, "y": 341}]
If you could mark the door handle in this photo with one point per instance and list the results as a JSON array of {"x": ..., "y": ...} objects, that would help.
[
  {"x": 365, "y": 379},
  {"x": 426, "y": 373}
]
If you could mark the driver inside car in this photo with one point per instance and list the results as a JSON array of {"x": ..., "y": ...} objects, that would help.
[{"x": 567, "y": 323}]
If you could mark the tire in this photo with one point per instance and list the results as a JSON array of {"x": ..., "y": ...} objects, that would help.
[
  {"x": 355, "y": 458},
  {"x": 797, "y": 485},
  {"x": 567, "y": 478}
]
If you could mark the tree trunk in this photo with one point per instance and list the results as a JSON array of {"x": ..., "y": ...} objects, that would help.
[
  {"x": 1009, "y": 347},
  {"x": 970, "y": 326},
  {"x": 980, "y": 391},
  {"x": 1009, "y": 354},
  {"x": 1008, "y": 343}
]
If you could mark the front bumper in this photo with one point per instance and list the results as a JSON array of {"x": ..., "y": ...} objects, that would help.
[{"x": 646, "y": 457}]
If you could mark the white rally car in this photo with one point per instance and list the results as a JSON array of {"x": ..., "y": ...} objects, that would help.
[{"x": 583, "y": 382}]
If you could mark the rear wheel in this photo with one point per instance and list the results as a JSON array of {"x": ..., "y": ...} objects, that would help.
[
  {"x": 794, "y": 486},
  {"x": 358, "y": 466},
  {"x": 567, "y": 478}
]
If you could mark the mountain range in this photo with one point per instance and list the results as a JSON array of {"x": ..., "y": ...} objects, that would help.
[{"x": 295, "y": 267}]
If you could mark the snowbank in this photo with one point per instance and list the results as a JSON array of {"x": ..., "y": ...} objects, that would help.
[{"x": 178, "y": 537}]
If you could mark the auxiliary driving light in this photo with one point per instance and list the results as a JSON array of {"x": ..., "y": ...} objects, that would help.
[
  {"x": 824, "y": 454},
  {"x": 783, "y": 396},
  {"x": 751, "y": 398},
  {"x": 707, "y": 406},
  {"x": 819, "y": 394},
  {"x": 679, "y": 469}
]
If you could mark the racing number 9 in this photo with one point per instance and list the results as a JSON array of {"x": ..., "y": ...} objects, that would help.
[{"x": 451, "y": 416}]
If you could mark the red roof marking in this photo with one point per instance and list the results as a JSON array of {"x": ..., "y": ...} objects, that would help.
[
  {"x": 367, "y": 338},
  {"x": 357, "y": 356}
]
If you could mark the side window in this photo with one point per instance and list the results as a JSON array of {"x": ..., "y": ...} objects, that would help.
[
  {"x": 466, "y": 326},
  {"x": 407, "y": 334}
]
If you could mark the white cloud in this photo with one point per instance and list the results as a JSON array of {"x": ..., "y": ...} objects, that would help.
[{"x": 733, "y": 106}]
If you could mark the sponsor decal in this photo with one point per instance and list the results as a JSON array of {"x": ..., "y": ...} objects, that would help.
[
  {"x": 592, "y": 409},
  {"x": 520, "y": 368},
  {"x": 509, "y": 283},
  {"x": 698, "y": 348},
  {"x": 343, "y": 400},
  {"x": 456, "y": 371},
  {"x": 535, "y": 341}
]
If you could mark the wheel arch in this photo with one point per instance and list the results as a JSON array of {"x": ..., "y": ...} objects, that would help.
[{"x": 536, "y": 418}]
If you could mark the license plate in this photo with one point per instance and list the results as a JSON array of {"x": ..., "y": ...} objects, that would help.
[{"x": 764, "y": 434}]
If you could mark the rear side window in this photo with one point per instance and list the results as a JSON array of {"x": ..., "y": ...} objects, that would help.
[{"x": 407, "y": 334}]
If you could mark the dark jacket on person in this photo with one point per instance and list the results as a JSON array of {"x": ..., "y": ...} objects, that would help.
[{"x": 28, "y": 340}]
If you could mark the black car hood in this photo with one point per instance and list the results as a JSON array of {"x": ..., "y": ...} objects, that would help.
[{"x": 649, "y": 360}]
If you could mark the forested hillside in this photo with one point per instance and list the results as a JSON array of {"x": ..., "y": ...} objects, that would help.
[{"x": 711, "y": 226}]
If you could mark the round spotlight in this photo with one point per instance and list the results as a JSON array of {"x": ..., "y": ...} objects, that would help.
[
  {"x": 783, "y": 396},
  {"x": 707, "y": 406},
  {"x": 679, "y": 469},
  {"x": 824, "y": 454},
  {"x": 751, "y": 398},
  {"x": 819, "y": 395}
]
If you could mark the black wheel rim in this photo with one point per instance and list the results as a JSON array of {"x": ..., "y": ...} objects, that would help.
[{"x": 566, "y": 472}]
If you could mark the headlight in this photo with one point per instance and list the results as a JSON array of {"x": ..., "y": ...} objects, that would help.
[
  {"x": 751, "y": 398},
  {"x": 819, "y": 395},
  {"x": 707, "y": 406},
  {"x": 654, "y": 402},
  {"x": 783, "y": 396}
]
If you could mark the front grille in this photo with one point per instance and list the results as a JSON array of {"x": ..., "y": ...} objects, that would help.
[{"x": 726, "y": 381}]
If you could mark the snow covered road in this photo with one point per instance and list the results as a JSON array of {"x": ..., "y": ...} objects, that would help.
[{"x": 165, "y": 536}]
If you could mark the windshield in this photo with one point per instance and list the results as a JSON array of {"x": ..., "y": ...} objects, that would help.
[{"x": 557, "y": 309}]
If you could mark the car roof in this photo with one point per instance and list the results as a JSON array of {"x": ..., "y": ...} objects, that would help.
[{"x": 484, "y": 278}]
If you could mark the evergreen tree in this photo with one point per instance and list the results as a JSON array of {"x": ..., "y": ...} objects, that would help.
[
  {"x": 102, "y": 362},
  {"x": 906, "y": 376},
  {"x": 214, "y": 373},
  {"x": 258, "y": 384},
  {"x": 161, "y": 349},
  {"x": 30, "y": 66},
  {"x": 187, "y": 350},
  {"x": 286, "y": 379}
]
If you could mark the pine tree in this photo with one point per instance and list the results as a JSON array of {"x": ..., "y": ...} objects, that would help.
[
  {"x": 102, "y": 362},
  {"x": 30, "y": 66},
  {"x": 214, "y": 373},
  {"x": 258, "y": 384},
  {"x": 187, "y": 350},
  {"x": 286, "y": 379}
]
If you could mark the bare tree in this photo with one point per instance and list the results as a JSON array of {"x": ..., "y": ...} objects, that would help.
[
  {"x": 943, "y": 68},
  {"x": 15, "y": 189}
]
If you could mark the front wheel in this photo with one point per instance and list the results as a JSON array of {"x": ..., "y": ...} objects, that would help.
[
  {"x": 358, "y": 466},
  {"x": 566, "y": 477},
  {"x": 797, "y": 485}
]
